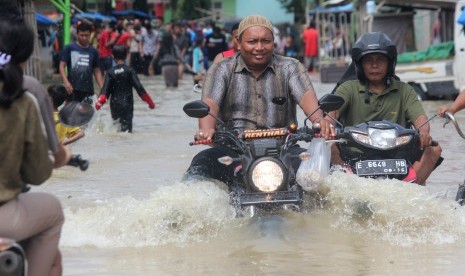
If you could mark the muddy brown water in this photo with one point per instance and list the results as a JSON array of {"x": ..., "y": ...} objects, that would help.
[{"x": 130, "y": 213}]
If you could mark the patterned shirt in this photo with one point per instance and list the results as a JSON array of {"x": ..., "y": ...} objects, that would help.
[{"x": 246, "y": 102}]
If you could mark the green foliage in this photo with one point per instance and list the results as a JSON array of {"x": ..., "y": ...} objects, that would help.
[
  {"x": 185, "y": 9},
  {"x": 297, "y": 7}
]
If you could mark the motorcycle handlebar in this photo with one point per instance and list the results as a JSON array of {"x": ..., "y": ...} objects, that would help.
[
  {"x": 237, "y": 139},
  {"x": 451, "y": 118}
]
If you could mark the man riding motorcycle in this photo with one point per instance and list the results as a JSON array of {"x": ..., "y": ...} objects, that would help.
[
  {"x": 254, "y": 89},
  {"x": 378, "y": 95}
]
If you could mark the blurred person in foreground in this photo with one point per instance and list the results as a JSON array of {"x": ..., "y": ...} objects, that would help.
[{"x": 32, "y": 218}]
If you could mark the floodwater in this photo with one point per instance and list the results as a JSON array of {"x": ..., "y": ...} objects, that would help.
[{"x": 130, "y": 213}]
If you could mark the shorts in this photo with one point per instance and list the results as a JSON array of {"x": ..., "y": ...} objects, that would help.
[{"x": 105, "y": 64}]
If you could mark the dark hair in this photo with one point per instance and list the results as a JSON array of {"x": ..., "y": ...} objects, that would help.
[
  {"x": 83, "y": 27},
  {"x": 98, "y": 24},
  {"x": 17, "y": 43},
  {"x": 235, "y": 27},
  {"x": 58, "y": 94},
  {"x": 119, "y": 28},
  {"x": 166, "y": 45},
  {"x": 216, "y": 30},
  {"x": 119, "y": 52},
  {"x": 198, "y": 42}
]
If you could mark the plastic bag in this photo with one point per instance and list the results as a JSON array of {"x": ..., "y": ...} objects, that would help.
[{"x": 312, "y": 171}]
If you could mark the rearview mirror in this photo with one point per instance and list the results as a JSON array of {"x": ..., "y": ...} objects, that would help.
[
  {"x": 330, "y": 102},
  {"x": 196, "y": 109}
]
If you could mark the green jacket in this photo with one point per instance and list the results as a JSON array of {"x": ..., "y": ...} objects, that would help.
[
  {"x": 397, "y": 103},
  {"x": 24, "y": 151}
]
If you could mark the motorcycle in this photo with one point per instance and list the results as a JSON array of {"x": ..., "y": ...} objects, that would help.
[
  {"x": 265, "y": 177},
  {"x": 380, "y": 149},
  {"x": 460, "y": 196},
  {"x": 12, "y": 256}
]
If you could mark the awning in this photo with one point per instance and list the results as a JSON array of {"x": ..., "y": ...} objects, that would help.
[
  {"x": 132, "y": 13},
  {"x": 95, "y": 16},
  {"x": 424, "y": 4},
  {"x": 44, "y": 20},
  {"x": 418, "y": 4},
  {"x": 461, "y": 19},
  {"x": 341, "y": 8}
]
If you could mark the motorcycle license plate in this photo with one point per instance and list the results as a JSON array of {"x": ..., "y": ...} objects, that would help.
[{"x": 380, "y": 167}]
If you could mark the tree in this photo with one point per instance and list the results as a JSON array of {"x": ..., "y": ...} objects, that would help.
[
  {"x": 140, "y": 5},
  {"x": 298, "y": 7},
  {"x": 185, "y": 9}
]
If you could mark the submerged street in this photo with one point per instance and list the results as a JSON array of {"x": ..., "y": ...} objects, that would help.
[{"x": 130, "y": 213}]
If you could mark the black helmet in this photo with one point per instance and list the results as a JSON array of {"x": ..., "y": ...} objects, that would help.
[{"x": 375, "y": 42}]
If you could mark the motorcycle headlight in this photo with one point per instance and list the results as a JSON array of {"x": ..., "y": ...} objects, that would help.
[
  {"x": 267, "y": 174},
  {"x": 382, "y": 138}
]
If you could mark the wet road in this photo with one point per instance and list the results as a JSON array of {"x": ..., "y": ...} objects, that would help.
[{"x": 130, "y": 213}]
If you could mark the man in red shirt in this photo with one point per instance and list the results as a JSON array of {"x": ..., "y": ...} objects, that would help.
[
  {"x": 106, "y": 40},
  {"x": 310, "y": 39},
  {"x": 123, "y": 37}
]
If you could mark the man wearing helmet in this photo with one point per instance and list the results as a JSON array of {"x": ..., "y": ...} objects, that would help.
[{"x": 377, "y": 94}]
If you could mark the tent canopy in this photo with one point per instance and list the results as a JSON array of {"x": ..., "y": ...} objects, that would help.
[
  {"x": 44, "y": 20},
  {"x": 132, "y": 13},
  {"x": 461, "y": 19},
  {"x": 95, "y": 16}
]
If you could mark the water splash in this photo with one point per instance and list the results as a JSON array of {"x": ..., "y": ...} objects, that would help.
[
  {"x": 181, "y": 213},
  {"x": 394, "y": 211}
]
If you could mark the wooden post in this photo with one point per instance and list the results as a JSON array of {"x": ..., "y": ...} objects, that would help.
[{"x": 33, "y": 67}]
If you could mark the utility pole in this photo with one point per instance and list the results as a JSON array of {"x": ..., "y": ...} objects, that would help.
[{"x": 64, "y": 6}]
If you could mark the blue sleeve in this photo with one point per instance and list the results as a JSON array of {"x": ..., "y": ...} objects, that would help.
[{"x": 65, "y": 54}]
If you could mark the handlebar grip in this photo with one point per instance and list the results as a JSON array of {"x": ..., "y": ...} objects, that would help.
[{"x": 200, "y": 142}]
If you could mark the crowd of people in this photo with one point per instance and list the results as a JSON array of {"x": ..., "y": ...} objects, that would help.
[
  {"x": 154, "y": 44},
  {"x": 147, "y": 44}
]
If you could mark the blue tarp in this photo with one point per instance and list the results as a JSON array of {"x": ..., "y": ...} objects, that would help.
[
  {"x": 44, "y": 20},
  {"x": 95, "y": 16},
  {"x": 461, "y": 19},
  {"x": 132, "y": 12}
]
